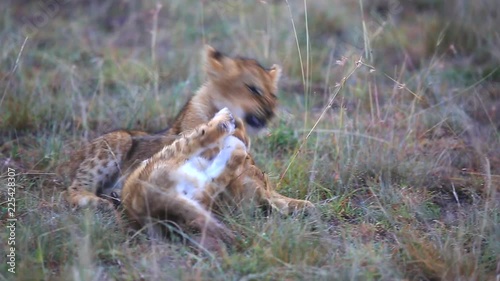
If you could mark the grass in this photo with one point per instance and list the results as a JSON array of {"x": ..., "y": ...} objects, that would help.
[{"x": 399, "y": 150}]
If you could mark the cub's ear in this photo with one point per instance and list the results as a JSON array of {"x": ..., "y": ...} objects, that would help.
[
  {"x": 217, "y": 65},
  {"x": 275, "y": 73},
  {"x": 213, "y": 58}
]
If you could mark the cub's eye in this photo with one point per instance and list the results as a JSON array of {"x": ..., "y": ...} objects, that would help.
[{"x": 254, "y": 90}]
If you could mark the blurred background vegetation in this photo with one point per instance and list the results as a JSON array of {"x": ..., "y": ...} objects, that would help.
[{"x": 404, "y": 165}]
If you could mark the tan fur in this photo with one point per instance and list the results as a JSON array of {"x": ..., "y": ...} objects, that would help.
[
  {"x": 155, "y": 189},
  {"x": 241, "y": 85}
]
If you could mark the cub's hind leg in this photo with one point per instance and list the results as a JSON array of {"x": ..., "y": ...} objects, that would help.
[
  {"x": 160, "y": 188},
  {"x": 227, "y": 165},
  {"x": 100, "y": 167},
  {"x": 160, "y": 205}
]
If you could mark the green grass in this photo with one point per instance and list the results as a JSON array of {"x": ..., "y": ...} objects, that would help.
[{"x": 404, "y": 167}]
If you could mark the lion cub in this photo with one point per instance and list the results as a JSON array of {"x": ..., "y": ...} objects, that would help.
[
  {"x": 179, "y": 183},
  {"x": 242, "y": 85}
]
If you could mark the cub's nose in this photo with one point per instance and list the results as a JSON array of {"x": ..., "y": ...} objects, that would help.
[{"x": 255, "y": 121}]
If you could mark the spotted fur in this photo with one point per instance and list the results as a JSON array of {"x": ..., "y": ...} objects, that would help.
[{"x": 242, "y": 85}]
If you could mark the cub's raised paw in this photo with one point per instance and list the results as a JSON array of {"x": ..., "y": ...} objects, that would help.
[{"x": 225, "y": 121}]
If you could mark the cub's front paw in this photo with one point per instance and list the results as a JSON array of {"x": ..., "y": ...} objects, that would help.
[{"x": 225, "y": 121}]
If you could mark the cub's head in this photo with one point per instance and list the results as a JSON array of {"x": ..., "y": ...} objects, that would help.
[{"x": 243, "y": 86}]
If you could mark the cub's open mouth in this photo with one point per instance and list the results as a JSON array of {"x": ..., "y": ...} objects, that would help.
[{"x": 255, "y": 121}]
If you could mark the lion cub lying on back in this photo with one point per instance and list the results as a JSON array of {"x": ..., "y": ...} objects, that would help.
[
  {"x": 180, "y": 182},
  {"x": 242, "y": 85}
]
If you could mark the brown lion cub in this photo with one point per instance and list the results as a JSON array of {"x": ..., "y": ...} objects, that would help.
[
  {"x": 179, "y": 183},
  {"x": 241, "y": 85}
]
